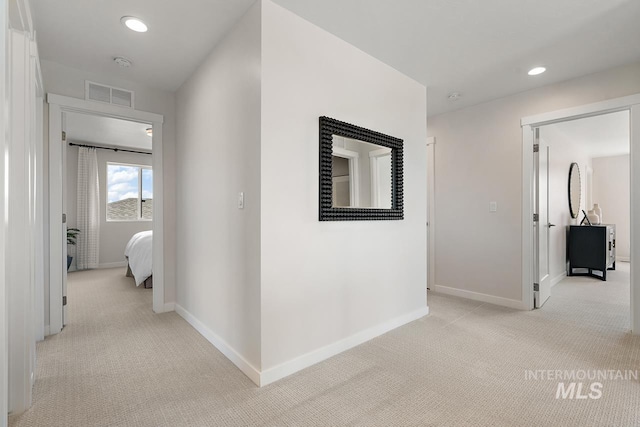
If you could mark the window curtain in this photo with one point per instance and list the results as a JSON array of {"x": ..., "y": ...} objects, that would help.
[{"x": 88, "y": 209}]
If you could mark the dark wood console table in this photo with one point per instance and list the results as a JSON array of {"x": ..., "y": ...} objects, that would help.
[{"x": 592, "y": 247}]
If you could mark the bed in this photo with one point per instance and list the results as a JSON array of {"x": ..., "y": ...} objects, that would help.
[{"x": 139, "y": 258}]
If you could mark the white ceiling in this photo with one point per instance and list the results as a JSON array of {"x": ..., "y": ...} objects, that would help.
[
  {"x": 87, "y": 34},
  {"x": 481, "y": 49},
  {"x": 599, "y": 136},
  {"x": 106, "y": 131}
]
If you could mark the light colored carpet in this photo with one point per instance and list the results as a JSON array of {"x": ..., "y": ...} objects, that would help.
[{"x": 118, "y": 364}]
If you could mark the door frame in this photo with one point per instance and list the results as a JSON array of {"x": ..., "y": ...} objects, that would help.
[
  {"x": 4, "y": 142},
  {"x": 629, "y": 103},
  {"x": 374, "y": 156},
  {"x": 58, "y": 105},
  {"x": 354, "y": 173},
  {"x": 431, "y": 213}
]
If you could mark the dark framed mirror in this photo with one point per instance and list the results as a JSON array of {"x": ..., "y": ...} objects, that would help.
[
  {"x": 361, "y": 173},
  {"x": 574, "y": 190}
]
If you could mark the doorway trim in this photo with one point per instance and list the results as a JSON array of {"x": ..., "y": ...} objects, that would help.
[
  {"x": 354, "y": 173},
  {"x": 431, "y": 213},
  {"x": 529, "y": 124},
  {"x": 59, "y": 104}
]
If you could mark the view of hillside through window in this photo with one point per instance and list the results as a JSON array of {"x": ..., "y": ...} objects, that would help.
[{"x": 129, "y": 192}]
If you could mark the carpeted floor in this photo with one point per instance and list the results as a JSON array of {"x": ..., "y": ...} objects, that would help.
[{"x": 118, "y": 364}]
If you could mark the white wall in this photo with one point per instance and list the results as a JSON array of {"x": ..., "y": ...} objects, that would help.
[
  {"x": 611, "y": 190},
  {"x": 62, "y": 80},
  {"x": 270, "y": 283},
  {"x": 323, "y": 282},
  {"x": 563, "y": 152},
  {"x": 218, "y": 252},
  {"x": 22, "y": 222},
  {"x": 479, "y": 159},
  {"x": 21, "y": 252},
  {"x": 113, "y": 235}
]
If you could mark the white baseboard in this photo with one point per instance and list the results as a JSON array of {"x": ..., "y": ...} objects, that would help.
[
  {"x": 623, "y": 259},
  {"x": 170, "y": 306},
  {"x": 268, "y": 376},
  {"x": 47, "y": 330},
  {"x": 285, "y": 369},
  {"x": 559, "y": 278},
  {"x": 476, "y": 296},
  {"x": 113, "y": 264},
  {"x": 220, "y": 344}
]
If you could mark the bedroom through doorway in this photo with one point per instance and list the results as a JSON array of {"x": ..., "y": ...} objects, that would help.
[
  {"x": 108, "y": 201},
  {"x": 83, "y": 136},
  {"x": 628, "y": 107},
  {"x": 585, "y": 217}
]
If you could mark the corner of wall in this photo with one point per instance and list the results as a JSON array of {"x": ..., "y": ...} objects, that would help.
[{"x": 218, "y": 243}]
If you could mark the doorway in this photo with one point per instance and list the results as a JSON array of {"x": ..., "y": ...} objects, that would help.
[
  {"x": 581, "y": 165},
  {"x": 59, "y": 107},
  {"x": 108, "y": 196},
  {"x": 532, "y": 229}
]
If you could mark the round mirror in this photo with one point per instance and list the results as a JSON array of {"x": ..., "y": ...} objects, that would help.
[{"x": 574, "y": 190}]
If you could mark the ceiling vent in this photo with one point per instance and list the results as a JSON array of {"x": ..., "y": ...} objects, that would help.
[{"x": 108, "y": 94}]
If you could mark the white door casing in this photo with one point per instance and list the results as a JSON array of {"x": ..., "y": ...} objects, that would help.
[
  {"x": 4, "y": 333},
  {"x": 354, "y": 173},
  {"x": 635, "y": 217},
  {"x": 431, "y": 213},
  {"x": 57, "y": 241},
  {"x": 380, "y": 171},
  {"x": 63, "y": 225}
]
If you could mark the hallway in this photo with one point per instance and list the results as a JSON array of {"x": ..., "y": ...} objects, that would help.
[{"x": 118, "y": 364}]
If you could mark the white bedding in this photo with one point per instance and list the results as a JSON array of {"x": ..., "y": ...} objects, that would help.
[{"x": 139, "y": 253}]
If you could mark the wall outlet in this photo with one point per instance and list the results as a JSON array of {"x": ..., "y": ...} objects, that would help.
[
  {"x": 241, "y": 200},
  {"x": 493, "y": 206}
]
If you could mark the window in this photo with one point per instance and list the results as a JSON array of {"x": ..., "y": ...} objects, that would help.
[{"x": 129, "y": 192}]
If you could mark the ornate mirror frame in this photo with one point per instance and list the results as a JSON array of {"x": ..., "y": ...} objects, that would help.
[{"x": 330, "y": 127}]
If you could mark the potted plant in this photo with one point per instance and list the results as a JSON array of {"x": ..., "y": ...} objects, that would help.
[{"x": 72, "y": 236}]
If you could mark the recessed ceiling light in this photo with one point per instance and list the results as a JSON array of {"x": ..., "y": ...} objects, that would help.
[
  {"x": 149, "y": 131},
  {"x": 537, "y": 70},
  {"x": 122, "y": 61},
  {"x": 134, "y": 24},
  {"x": 454, "y": 96}
]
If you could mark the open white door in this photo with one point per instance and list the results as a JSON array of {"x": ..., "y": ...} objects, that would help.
[
  {"x": 64, "y": 221},
  {"x": 57, "y": 220},
  {"x": 541, "y": 224}
]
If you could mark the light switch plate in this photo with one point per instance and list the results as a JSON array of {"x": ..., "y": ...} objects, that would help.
[
  {"x": 241, "y": 200},
  {"x": 493, "y": 206}
]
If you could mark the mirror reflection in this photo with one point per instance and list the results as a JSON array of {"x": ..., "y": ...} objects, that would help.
[
  {"x": 361, "y": 174},
  {"x": 574, "y": 190}
]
